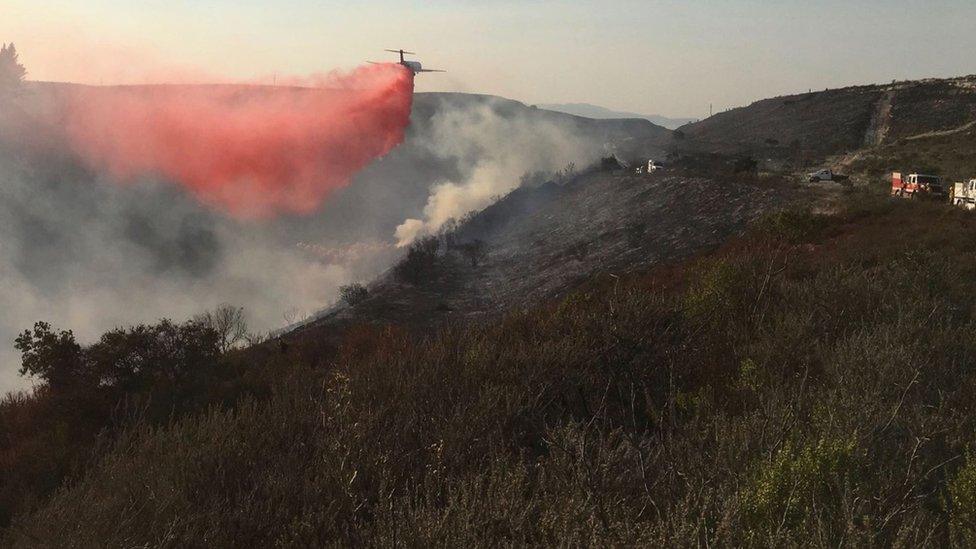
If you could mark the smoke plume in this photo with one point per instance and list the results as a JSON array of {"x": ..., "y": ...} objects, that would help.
[
  {"x": 494, "y": 152},
  {"x": 250, "y": 151}
]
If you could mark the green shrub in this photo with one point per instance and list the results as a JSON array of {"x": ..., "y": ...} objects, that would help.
[
  {"x": 962, "y": 498},
  {"x": 794, "y": 225},
  {"x": 799, "y": 485}
]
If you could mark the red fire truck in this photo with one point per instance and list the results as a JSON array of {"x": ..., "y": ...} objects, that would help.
[{"x": 917, "y": 186}]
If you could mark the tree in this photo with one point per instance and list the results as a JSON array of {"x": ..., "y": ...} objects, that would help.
[
  {"x": 12, "y": 73},
  {"x": 129, "y": 359},
  {"x": 54, "y": 357},
  {"x": 229, "y": 323},
  {"x": 158, "y": 356}
]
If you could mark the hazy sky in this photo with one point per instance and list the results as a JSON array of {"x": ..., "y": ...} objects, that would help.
[{"x": 666, "y": 57}]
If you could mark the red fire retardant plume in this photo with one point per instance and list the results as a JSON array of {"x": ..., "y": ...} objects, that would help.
[{"x": 251, "y": 151}]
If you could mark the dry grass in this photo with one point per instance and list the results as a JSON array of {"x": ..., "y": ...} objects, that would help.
[{"x": 809, "y": 384}]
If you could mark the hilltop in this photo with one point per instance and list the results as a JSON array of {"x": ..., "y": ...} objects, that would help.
[{"x": 866, "y": 121}]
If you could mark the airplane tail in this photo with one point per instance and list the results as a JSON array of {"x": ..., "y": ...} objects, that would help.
[{"x": 401, "y": 52}]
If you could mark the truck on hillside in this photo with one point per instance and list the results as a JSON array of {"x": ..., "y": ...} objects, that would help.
[
  {"x": 918, "y": 185},
  {"x": 651, "y": 167},
  {"x": 825, "y": 175},
  {"x": 964, "y": 194}
]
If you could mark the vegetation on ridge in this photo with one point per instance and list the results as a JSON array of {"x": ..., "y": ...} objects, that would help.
[{"x": 808, "y": 383}]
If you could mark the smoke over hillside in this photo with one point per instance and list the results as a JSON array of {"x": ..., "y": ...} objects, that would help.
[
  {"x": 495, "y": 151},
  {"x": 86, "y": 253}
]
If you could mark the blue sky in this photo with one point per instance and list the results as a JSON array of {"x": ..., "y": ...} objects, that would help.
[{"x": 666, "y": 57}]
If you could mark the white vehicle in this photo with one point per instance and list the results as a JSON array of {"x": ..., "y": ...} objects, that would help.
[
  {"x": 964, "y": 194},
  {"x": 825, "y": 175},
  {"x": 651, "y": 167}
]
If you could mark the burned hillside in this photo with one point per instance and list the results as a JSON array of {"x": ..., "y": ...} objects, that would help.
[{"x": 542, "y": 241}]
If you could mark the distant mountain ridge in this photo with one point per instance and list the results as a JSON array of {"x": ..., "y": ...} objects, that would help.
[{"x": 601, "y": 113}]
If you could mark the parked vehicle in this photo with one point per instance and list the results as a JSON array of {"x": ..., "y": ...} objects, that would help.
[
  {"x": 652, "y": 166},
  {"x": 825, "y": 175},
  {"x": 918, "y": 186},
  {"x": 964, "y": 194}
]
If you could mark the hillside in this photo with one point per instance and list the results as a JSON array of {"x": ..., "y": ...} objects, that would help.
[
  {"x": 79, "y": 249},
  {"x": 540, "y": 242},
  {"x": 808, "y": 128},
  {"x": 704, "y": 356},
  {"x": 803, "y": 385}
]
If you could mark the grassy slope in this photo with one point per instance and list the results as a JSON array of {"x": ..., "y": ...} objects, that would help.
[
  {"x": 950, "y": 154},
  {"x": 810, "y": 125},
  {"x": 809, "y": 383},
  {"x": 806, "y": 129}
]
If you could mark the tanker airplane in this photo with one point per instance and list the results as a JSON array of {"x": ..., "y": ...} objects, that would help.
[{"x": 414, "y": 66}]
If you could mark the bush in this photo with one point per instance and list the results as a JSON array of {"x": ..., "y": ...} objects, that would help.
[
  {"x": 474, "y": 252},
  {"x": 610, "y": 163},
  {"x": 962, "y": 500},
  {"x": 353, "y": 294},
  {"x": 800, "y": 485},
  {"x": 145, "y": 374},
  {"x": 794, "y": 225},
  {"x": 420, "y": 262}
]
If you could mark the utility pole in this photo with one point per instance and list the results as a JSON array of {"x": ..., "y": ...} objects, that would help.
[{"x": 709, "y": 110}]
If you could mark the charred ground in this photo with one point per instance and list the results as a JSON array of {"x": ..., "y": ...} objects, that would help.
[{"x": 540, "y": 242}]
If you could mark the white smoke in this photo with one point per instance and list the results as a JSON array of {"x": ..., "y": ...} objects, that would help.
[
  {"x": 90, "y": 255},
  {"x": 494, "y": 151}
]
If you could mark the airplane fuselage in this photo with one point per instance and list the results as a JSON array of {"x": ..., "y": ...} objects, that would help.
[{"x": 414, "y": 66}]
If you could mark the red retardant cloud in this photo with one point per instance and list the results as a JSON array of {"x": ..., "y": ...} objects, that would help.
[{"x": 251, "y": 151}]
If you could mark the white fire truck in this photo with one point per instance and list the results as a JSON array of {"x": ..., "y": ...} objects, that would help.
[{"x": 964, "y": 194}]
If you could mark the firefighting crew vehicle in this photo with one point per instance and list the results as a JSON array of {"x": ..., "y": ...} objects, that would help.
[
  {"x": 964, "y": 194},
  {"x": 918, "y": 185}
]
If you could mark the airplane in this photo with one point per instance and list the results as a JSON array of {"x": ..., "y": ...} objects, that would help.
[{"x": 414, "y": 66}]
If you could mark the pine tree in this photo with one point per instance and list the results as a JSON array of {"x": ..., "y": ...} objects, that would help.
[{"x": 12, "y": 73}]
